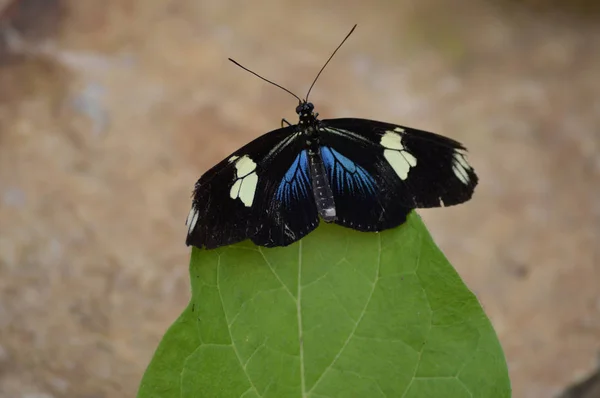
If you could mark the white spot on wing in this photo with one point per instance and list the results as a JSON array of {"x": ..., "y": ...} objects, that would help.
[
  {"x": 461, "y": 159},
  {"x": 233, "y": 158},
  {"x": 246, "y": 181},
  {"x": 396, "y": 154},
  {"x": 190, "y": 215},
  {"x": 192, "y": 219}
]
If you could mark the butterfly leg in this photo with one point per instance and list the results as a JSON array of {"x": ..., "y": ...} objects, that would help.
[{"x": 286, "y": 122}]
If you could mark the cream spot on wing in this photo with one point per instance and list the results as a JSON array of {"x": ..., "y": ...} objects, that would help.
[
  {"x": 392, "y": 140},
  {"x": 396, "y": 154},
  {"x": 461, "y": 174},
  {"x": 244, "y": 187},
  {"x": 461, "y": 168},
  {"x": 234, "y": 193},
  {"x": 248, "y": 189},
  {"x": 245, "y": 166},
  {"x": 401, "y": 162},
  {"x": 233, "y": 158}
]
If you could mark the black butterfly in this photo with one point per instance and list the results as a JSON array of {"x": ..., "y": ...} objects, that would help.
[{"x": 362, "y": 174}]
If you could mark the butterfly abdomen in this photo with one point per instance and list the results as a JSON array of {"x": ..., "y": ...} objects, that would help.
[{"x": 320, "y": 185}]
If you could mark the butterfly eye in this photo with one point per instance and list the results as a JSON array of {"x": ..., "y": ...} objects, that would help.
[{"x": 310, "y": 106}]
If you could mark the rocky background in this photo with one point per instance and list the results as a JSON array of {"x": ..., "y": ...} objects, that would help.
[{"x": 110, "y": 111}]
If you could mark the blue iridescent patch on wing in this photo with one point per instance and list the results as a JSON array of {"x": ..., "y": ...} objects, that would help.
[
  {"x": 345, "y": 175},
  {"x": 295, "y": 183}
]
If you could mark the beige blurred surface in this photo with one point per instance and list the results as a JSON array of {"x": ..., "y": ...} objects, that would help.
[{"x": 110, "y": 111}]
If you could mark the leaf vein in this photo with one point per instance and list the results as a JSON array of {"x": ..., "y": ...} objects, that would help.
[
  {"x": 275, "y": 274},
  {"x": 233, "y": 346},
  {"x": 360, "y": 317},
  {"x": 299, "y": 316},
  {"x": 316, "y": 280},
  {"x": 430, "y": 321},
  {"x": 262, "y": 345}
]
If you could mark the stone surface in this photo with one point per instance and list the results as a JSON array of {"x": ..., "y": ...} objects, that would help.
[{"x": 110, "y": 111}]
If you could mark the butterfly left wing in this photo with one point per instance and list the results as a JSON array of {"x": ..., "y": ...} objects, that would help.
[
  {"x": 260, "y": 192},
  {"x": 379, "y": 172}
]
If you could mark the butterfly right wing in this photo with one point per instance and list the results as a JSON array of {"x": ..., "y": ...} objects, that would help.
[
  {"x": 379, "y": 172},
  {"x": 288, "y": 210},
  {"x": 261, "y": 191}
]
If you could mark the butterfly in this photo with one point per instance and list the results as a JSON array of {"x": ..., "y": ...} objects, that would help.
[{"x": 362, "y": 174}]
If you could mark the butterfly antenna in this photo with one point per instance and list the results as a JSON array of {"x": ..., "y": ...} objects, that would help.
[
  {"x": 321, "y": 71},
  {"x": 267, "y": 80}
]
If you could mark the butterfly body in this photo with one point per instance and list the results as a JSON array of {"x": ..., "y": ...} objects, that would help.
[
  {"x": 308, "y": 128},
  {"x": 362, "y": 174}
]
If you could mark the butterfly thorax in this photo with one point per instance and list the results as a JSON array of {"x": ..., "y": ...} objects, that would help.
[
  {"x": 308, "y": 125},
  {"x": 308, "y": 119}
]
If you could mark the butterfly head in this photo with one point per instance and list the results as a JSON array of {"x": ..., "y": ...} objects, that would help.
[{"x": 305, "y": 111}]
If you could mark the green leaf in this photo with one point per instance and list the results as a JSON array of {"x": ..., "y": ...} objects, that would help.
[{"x": 339, "y": 314}]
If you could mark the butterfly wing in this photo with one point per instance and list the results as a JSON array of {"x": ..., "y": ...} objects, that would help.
[
  {"x": 288, "y": 212},
  {"x": 380, "y": 171},
  {"x": 261, "y": 191}
]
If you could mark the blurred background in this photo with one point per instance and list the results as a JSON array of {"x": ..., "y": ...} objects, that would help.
[{"x": 110, "y": 111}]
